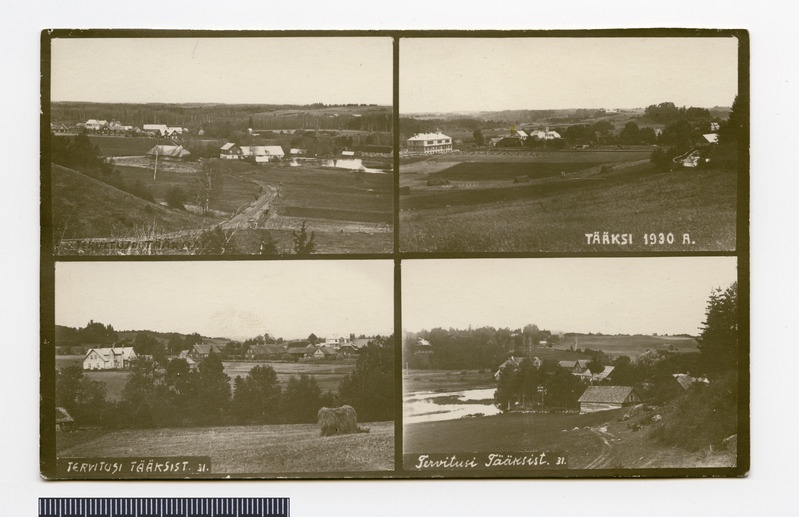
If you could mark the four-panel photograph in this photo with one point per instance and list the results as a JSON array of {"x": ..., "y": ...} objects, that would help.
[{"x": 391, "y": 255}]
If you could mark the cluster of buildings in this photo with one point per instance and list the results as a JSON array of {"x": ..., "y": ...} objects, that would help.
[
  {"x": 115, "y": 127},
  {"x": 120, "y": 358},
  {"x": 261, "y": 153},
  {"x": 601, "y": 394},
  {"x": 518, "y": 137}
]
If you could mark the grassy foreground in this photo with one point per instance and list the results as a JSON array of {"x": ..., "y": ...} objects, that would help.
[
  {"x": 602, "y": 440},
  {"x": 254, "y": 449},
  {"x": 555, "y": 216}
]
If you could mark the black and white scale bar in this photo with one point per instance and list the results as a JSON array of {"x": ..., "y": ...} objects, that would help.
[{"x": 164, "y": 507}]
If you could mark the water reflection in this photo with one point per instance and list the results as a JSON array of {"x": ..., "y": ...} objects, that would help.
[{"x": 434, "y": 406}]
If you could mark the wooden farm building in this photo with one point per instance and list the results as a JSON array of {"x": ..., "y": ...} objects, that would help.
[
  {"x": 201, "y": 351},
  {"x": 604, "y": 398},
  {"x": 168, "y": 152}
]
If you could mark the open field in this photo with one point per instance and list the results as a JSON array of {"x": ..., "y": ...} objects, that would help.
[
  {"x": 631, "y": 346},
  {"x": 123, "y": 145},
  {"x": 232, "y": 195},
  {"x": 554, "y": 212},
  {"x": 255, "y": 449},
  {"x": 327, "y": 193},
  {"x": 327, "y": 375},
  {"x": 594, "y": 440},
  {"x": 347, "y": 213}
]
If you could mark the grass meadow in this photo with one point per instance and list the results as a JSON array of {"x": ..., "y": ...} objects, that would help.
[
  {"x": 255, "y": 449},
  {"x": 555, "y": 215}
]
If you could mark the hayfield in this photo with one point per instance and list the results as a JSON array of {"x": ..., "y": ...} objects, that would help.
[
  {"x": 255, "y": 449},
  {"x": 556, "y": 213}
]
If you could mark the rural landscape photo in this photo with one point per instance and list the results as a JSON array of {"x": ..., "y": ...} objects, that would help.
[
  {"x": 622, "y": 363},
  {"x": 220, "y": 146},
  {"x": 258, "y": 366},
  {"x": 569, "y": 144}
]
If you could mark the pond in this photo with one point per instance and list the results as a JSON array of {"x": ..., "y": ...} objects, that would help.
[{"x": 434, "y": 406}]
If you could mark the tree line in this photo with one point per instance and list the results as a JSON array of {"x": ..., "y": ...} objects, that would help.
[
  {"x": 476, "y": 349},
  {"x": 176, "y": 395},
  {"x": 77, "y": 152}
]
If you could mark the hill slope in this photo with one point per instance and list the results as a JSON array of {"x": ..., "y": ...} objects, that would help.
[{"x": 84, "y": 207}]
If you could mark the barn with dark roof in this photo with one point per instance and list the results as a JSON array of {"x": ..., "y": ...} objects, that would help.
[{"x": 604, "y": 398}]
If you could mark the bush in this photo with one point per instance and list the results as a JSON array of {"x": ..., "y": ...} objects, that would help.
[
  {"x": 704, "y": 417},
  {"x": 175, "y": 198}
]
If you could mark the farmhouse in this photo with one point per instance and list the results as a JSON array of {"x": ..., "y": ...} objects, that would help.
[
  {"x": 261, "y": 153},
  {"x": 347, "y": 350},
  {"x": 430, "y": 143},
  {"x": 324, "y": 352},
  {"x": 512, "y": 362},
  {"x": 201, "y": 351},
  {"x": 544, "y": 134},
  {"x": 604, "y": 398},
  {"x": 577, "y": 367},
  {"x": 95, "y": 125},
  {"x": 230, "y": 151},
  {"x": 168, "y": 152},
  {"x": 184, "y": 354},
  {"x": 114, "y": 358},
  {"x": 159, "y": 129}
]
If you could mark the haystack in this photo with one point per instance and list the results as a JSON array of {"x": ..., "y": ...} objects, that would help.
[{"x": 338, "y": 420}]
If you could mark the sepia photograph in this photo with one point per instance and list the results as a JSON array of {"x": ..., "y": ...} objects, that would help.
[
  {"x": 214, "y": 369},
  {"x": 571, "y": 144},
  {"x": 199, "y": 145},
  {"x": 525, "y": 366}
]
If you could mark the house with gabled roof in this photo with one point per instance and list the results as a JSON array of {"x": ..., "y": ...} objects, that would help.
[
  {"x": 109, "y": 358},
  {"x": 577, "y": 366},
  {"x": 230, "y": 151},
  {"x": 605, "y": 398},
  {"x": 201, "y": 351}
]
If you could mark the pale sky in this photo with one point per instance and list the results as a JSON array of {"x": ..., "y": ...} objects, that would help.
[
  {"x": 238, "y": 299},
  {"x": 608, "y": 295},
  {"x": 488, "y": 74},
  {"x": 333, "y": 70}
]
